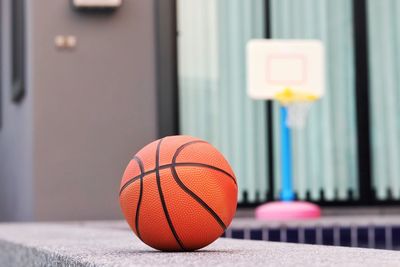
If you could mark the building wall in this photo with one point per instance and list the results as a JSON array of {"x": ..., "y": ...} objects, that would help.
[
  {"x": 90, "y": 109},
  {"x": 15, "y": 138}
]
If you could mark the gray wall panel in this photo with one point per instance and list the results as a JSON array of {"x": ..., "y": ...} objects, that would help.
[
  {"x": 94, "y": 105},
  {"x": 86, "y": 112},
  {"x": 15, "y": 140}
]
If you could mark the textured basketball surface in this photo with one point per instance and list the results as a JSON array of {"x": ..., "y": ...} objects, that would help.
[{"x": 178, "y": 194}]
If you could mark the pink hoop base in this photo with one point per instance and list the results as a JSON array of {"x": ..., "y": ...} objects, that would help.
[{"x": 288, "y": 210}]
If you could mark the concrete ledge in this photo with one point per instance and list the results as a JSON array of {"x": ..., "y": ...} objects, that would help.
[{"x": 111, "y": 244}]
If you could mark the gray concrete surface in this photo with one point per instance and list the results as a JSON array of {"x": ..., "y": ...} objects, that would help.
[{"x": 111, "y": 244}]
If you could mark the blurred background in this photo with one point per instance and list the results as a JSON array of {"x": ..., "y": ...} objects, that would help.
[{"x": 83, "y": 89}]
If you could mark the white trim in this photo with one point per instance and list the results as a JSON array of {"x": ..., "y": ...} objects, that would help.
[{"x": 97, "y": 3}]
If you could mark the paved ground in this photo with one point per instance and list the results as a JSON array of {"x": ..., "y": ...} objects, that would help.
[{"x": 110, "y": 244}]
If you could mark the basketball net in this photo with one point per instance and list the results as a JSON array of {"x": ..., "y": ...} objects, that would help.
[{"x": 298, "y": 105}]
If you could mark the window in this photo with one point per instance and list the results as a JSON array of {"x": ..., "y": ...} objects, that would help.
[
  {"x": 325, "y": 152},
  {"x": 384, "y": 62},
  {"x": 350, "y": 147},
  {"x": 212, "y": 86}
]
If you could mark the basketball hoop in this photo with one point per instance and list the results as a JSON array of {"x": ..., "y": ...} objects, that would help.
[
  {"x": 291, "y": 72},
  {"x": 298, "y": 105}
]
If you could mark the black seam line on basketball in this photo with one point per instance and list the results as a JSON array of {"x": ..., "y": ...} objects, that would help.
[
  {"x": 197, "y": 198},
  {"x": 144, "y": 174},
  {"x": 183, "y": 146},
  {"x": 164, "y": 206},
  {"x": 190, "y": 192},
  {"x": 177, "y": 164},
  {"x": 179, "y": 150},
  {"x": 140, "y": 163},
  {"x": 194, "y": 164}
]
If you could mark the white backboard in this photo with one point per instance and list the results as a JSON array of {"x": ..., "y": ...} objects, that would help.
[{"x": 274, "y": 65}]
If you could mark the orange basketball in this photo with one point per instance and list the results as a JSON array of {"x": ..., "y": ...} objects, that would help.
[{"x": 178, "y": 194}]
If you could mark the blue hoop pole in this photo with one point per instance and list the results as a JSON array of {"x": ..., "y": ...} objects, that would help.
[{"x": 287, "y": 193}]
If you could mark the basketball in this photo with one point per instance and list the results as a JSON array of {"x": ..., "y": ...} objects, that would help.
[{"x": 178, "y": 193}]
